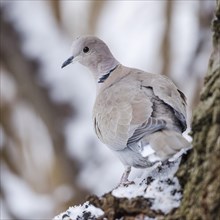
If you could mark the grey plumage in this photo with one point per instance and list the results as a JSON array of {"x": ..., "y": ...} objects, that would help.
[{"x": 133, "y": 108}]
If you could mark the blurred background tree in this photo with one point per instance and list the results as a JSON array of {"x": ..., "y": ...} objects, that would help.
[{"x": 50, "y": 157}]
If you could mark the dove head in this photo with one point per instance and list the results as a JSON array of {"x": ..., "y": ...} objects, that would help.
[{"x": 93, "y": 53}]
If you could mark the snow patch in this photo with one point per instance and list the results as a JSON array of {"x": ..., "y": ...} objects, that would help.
[
  {"x": 158, "y": 185},
  {"x": 80, "y": 212}
]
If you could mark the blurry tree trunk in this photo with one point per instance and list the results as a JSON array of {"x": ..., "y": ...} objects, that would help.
[
  {"x": 95, "y": 11},
  {"x": 205, "y": 14},
  {"x": 26, "y": 73},
  {"x": 55, "y": 4},
  {"x": 199, "y": 169},
  {"x": 165, "y": 47}
]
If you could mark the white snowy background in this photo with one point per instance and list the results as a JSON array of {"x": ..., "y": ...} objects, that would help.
[{"x": 134, "y": 31}]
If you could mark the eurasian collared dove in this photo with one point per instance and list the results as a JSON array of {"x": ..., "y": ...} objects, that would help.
[{"x": 133, "y": 108}]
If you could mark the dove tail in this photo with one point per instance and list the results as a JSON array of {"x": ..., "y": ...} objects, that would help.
[{"x": 166, "y": 143}]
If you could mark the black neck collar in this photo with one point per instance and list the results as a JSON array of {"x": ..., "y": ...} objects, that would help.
[{"x": 105, "y": 76}]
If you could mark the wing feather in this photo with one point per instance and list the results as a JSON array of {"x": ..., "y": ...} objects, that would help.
[
  {"x": 148, "y": 127},
  {"x": 167, "y": 91}
]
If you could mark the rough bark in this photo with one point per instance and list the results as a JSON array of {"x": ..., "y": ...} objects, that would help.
[{"x": 199, "y": 170}]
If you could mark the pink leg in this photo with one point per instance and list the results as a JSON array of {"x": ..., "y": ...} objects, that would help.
[{"x": 124, "y": 179}]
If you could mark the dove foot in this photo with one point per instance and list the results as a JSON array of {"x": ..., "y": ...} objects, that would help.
[
  {"x": 124, "y": 179},
  {"x": 127, "y": 183}
]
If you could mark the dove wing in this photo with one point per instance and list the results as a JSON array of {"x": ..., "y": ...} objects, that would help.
[
  {"x": 166, "y": 90},
  {"x": 122, "y": 114}
]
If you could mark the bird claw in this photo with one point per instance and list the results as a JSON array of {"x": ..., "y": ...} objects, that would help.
[{"x": 125, "y": 183}]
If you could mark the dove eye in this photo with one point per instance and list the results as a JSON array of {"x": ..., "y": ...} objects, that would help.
[{"x": 85, "y": 49}]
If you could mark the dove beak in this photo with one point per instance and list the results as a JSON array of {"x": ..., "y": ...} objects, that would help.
[{"x": 67, "y": 62}]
